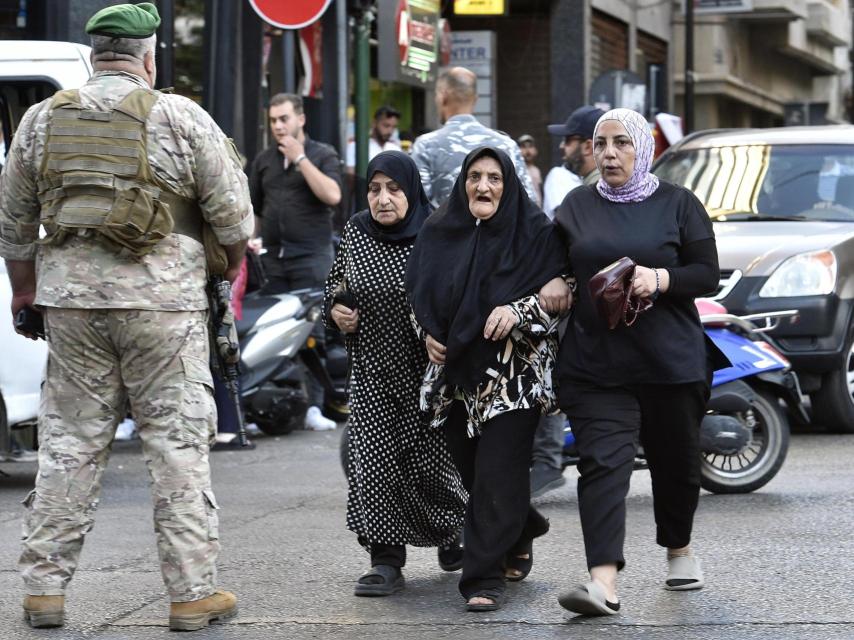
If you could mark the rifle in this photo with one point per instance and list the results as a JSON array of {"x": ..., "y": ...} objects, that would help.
[{"x": 225, "y": 350}]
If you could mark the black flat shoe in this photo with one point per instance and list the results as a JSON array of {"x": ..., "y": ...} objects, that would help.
[
  {"x": 512, "y": 561},
  {"x": 380, "y": 580},
  {"x": 497, "y": 596},
  {"x": 451, "y": 555}
]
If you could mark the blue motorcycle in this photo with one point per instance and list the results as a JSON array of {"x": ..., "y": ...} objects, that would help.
[{"x": 744, "y": 437}]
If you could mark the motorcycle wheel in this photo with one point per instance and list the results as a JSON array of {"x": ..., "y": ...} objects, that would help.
[
  {"x": 278, "y": 427},
  {"x": 759, "y": 461},
  {"x": 344, "y": 450}
]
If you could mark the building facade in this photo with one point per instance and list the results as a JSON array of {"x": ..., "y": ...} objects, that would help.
[{"x": 771, "y": 63}]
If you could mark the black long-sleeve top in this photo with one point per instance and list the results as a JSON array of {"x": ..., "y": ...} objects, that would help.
[{"x": 666, "y": 345}]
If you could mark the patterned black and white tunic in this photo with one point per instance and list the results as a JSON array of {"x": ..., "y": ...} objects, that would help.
[
  {"x": 520, "y": 379},
  {"x": 404, "y": 487}
]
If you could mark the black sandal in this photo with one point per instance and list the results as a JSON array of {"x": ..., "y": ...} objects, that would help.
[
  {"x": 391, "y": 581},
  {"x": 451, "y": 555},
  {"x": 525, "y": 546},
  {"x": 496, "y": 595},
  {"x": 512, "y": 561}
]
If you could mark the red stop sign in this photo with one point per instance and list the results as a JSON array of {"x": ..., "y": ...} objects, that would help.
[{"x": 290, "y": 14}]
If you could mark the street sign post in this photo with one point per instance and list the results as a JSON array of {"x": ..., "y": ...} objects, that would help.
[{"x": 290, "y": 15}]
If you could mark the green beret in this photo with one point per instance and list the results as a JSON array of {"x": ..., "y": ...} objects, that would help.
[{"x": 125, "y": 21}]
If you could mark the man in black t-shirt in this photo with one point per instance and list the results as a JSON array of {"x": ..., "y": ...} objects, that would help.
[{"x": 294, "y": 185}]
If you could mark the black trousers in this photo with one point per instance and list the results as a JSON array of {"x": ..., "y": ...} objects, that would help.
[
  {"x": 495, "y": 470},
  {"x": 304, "y": 272},
  {"x": 608, "y": 422},
  {"x": 393, "y": 555}
]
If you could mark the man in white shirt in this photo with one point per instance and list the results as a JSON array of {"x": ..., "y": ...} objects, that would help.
[
  {"x": 384, "y": 125},
  {"x": 578, "y": 166},
  {"x": 528, "y": 148}
]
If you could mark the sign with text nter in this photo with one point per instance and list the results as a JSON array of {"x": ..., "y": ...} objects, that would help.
[{"x": 480, "y": 7}]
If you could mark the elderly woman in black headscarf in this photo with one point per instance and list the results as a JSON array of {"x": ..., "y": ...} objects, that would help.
[
  {"x": 404, "y": 488},
  {"x": 472, "y": 281}
]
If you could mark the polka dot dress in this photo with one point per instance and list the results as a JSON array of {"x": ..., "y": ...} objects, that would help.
[{"x": 404, "y": 487}]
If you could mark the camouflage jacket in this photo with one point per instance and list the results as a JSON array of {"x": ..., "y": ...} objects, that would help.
[
  {"x": 439, "y": 155},
  {"x": 186, "y": 150}
]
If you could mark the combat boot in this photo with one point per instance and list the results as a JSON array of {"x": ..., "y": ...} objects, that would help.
[
  {"x": 195, "y": 615},
  {"x": 44, "y": 611}
]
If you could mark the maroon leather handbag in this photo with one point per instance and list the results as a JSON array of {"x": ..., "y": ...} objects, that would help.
[{"x": 611, "y": 291}]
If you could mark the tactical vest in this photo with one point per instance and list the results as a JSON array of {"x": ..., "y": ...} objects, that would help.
[{"x": 95, "y": 178}]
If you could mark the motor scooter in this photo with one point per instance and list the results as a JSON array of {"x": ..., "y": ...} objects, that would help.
[
  {"x": 744, "y": 437},
  {"x": 275, "y": 339}
]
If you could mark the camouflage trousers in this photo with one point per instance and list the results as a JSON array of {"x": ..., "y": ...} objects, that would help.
[{"x": 98, "y": 362}]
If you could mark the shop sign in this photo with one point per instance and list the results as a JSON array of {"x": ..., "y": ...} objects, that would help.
[
  {"x": 480, "y": 7},
  {"x": 409, "y": 40},
  {"x": 290, "y": 15}
]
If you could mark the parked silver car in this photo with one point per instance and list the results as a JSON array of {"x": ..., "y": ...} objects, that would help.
[{"x": 783, "y": 205}]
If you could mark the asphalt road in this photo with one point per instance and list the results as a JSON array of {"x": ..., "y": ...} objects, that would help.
[{"x": 778, "y": 561}]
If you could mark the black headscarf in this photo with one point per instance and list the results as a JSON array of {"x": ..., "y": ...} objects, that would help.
[
  {"x": 459, "y": 270},
  {"x": 399, "y": 167}
]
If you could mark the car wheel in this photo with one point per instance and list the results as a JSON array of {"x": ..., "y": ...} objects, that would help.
[{"x": 833, "y": 404}]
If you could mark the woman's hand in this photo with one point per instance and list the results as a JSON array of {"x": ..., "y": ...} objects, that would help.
[
  {"x": 644, "y": 285},
  {"x": 347, "y": 319},
  {"x": 435, "y": 350},
  {"x": 555, "y": 297},
  {"x": 500, "y": 323}
]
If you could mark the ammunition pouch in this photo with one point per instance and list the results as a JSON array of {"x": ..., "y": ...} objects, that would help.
[{"x": 95, "y": 178}]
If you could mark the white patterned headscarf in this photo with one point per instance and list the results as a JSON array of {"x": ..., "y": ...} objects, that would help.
[{"x": 641, "y": 184}]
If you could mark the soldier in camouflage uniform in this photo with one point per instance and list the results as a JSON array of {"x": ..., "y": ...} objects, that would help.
[
  {"x": 440, "y": 154},
  {"x": 123, "y": 297}
]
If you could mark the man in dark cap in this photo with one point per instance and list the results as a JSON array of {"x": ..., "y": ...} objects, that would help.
[
  {"x": 128, "y": 183},
  {"x": 577, "y": 148}
]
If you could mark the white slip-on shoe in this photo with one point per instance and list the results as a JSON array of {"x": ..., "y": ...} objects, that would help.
[
  {"x": 316, "y": 421},
  {"x": 684, "y": 574},
  {"x": 588, "y": 600}
]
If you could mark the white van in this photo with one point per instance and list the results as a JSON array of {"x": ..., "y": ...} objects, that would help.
[{"x": 30, "y": 71}]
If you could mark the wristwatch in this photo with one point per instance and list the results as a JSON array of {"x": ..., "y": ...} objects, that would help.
[{"x": 299, "y": 159}]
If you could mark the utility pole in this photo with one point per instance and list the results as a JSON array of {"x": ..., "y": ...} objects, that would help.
[
  {"x": 689, "y": 66},
  {"x": 166, "y": 44},
  {"x": 362, "y": 99},
  {"x": 289, "y": 52}
]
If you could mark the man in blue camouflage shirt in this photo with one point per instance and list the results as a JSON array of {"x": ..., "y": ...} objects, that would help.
[{"x": 439, "y": 154}]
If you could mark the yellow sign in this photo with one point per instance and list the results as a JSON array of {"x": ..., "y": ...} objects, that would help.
[{"x": 480, "y": 7}]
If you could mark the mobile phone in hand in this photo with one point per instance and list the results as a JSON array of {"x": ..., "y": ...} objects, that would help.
[{"x": 30, "y": 321}]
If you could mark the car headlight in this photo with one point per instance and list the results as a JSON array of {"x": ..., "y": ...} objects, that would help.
[{"x": 806, "y": 274}]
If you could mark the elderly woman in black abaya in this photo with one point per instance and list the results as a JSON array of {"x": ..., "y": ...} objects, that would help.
[
  {"x": 473, "y": 280},
  {"x": 404, "y": 488}
]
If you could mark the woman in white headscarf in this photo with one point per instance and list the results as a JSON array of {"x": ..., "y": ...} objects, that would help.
[{"x": 647, "y": 382}]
